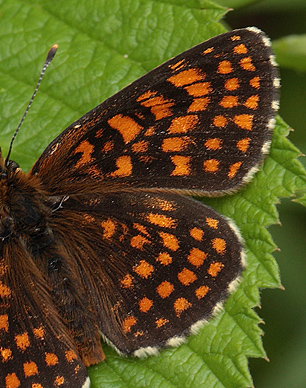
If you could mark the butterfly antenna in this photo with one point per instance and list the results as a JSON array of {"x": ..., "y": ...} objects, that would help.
[{"x": 50, "y": 56}]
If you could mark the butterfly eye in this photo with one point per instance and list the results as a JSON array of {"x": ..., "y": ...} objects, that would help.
[{"x": 12, "y": 166}]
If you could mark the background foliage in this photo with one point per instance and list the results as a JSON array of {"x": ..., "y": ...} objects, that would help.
[{"x": 284, "y": 312}]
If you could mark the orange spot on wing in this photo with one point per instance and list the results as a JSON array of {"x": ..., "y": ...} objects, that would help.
[
  {"x": 30, "y": 369},
  {"x": 144, "y": 269},
  {"x": 252, "y": 102},
  {"x": 178, "y": 65},
  {"x": 175, "y": 144},
  {"x": 214, "y": 269},
  {"x": 211, "y": 165},
  {"x": 145, "y": 304},
  {"x": 197, "y": 234},
  {"x": 109, "y": 228},
  {"x": 159, "y": 106},
  {"x": 213, "y": 144},
  {"x": 183, "y": 124},
  {"x": 180, "y": 305},
  {"x": 128, "y": 323},
  {"x": 199, "y": 89},
  {"x": 186, "y": 277},
  {"x": 196, "y": 257},
  {"x": 124, "y": 164},
  {"x": 141, "y": 146},
  {"x": 246, "y": 64},
  {"x": 244, "y": 121},
  {"x": 126, "y": 126},
  {"x": 51, "y": 359},
  {"x": 212, "y": 222},
  {"x": 146, "y": 95},
  {"x": 139, "y": 241},
  {"x": 141, "y": 228},
  {"x": 161, "y": 322},
  {"x": 59, "y": 380},
  {"x": 219, "y": 121},
  {"x": 229, "y": 101},
  {"x": 208, "y": 51},
  {"x": 243, "y": 144},
  {"x": 150, "y": 131},
  {"x": 164, "y": 289},
  {"x": 138, "y": 334},
  {"x": 39, "y": 332},
  {"x": 235, "y": 37},
  {"x": 182, "y": 165},
  {"x": 240, "y": 49},
  {"x": 169, "y": 241},
  {"x": 161, "y": 220},
  {"x": 233, "y": 169},
  {"x": 199, "y": 104},
  {"x": 12, "y": 381},
  {"x": 231, "y": 84},
  {"x": 22, "y": 341},
  {"x": 255, "y": 82},
  {"x": 70, "y": 355},
  {"x": 186, "y": 77},
  {"x": 225, "y": 67},
  {"x": 6, "y": 354},
  {"x": 5, "y": 291},
  {"x": 127, "y": 281},
  {"x": 86, "y": 149},
  {"x": 165, "y": 205},
  {"x": 4, "y": 325},
  {"x": 125, "y": 230},
  {"x": 164, "y": 258},
  {"x": 219, "y": 245},
  {"x": 201, "y": 291}
]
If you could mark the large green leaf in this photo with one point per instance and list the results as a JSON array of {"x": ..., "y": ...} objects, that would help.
[
  {"x": 104, "y": 45},
  {"x": 291, "y": 51}
]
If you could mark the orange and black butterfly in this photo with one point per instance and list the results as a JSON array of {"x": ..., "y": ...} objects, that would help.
[{"x": 99, "y": 237}]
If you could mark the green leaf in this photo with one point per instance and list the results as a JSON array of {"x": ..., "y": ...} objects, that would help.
[
  {"x": 103, "y": 46},
  {"x": 235, "y": 4},
  {"x": 291, "y": 51}
]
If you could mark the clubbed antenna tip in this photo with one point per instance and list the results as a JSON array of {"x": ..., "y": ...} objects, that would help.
[{"x": 51, "y": 53}]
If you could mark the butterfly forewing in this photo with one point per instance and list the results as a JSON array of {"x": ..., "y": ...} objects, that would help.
[
  {"x": 104, "y": 240},
  {"x": 201, "y": 121}
]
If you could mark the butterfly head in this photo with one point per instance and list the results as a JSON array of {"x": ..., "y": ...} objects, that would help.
[
  {"x": 7, "y": 167},
  {"x": 20, "y": 201}
]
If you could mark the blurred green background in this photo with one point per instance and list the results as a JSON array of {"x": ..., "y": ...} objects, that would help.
[{"x": 283, "y": 312}]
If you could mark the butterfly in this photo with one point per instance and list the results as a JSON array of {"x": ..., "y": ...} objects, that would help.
[{"x": 102, "y": 237}]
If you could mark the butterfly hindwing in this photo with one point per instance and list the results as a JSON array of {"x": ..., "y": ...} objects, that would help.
[{"x": 154, "y": 269}]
